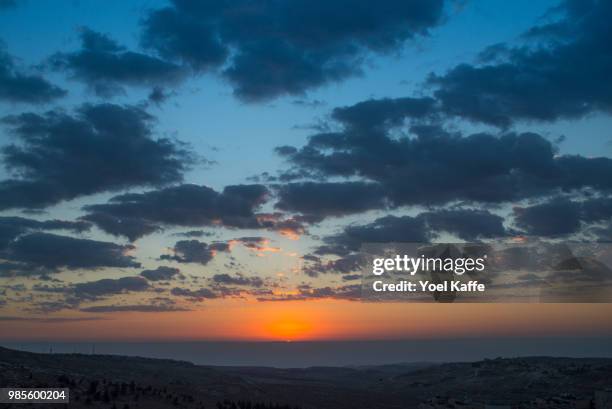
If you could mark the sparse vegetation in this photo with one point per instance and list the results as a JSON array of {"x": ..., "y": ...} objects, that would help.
[{"x": 111, "y": 382}]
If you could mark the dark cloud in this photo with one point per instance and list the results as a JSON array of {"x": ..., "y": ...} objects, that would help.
[
  {"x": 19, "y": 86},
  {"x": 194, "y": 233},
  {"x": 596, "y": 209},
  {"x": 44, "y": 288},
  {"x": 539, "y": 79},
  {"x": 291, "y": 227},
  {"x": 15, "y": 269},
  {"x": 105, "y": 66},
  {"x": 71, "y": 296},
  {"x": 384, "y": 113},
  {"x": 161, "y": 273},
  {"x": 158, "y": 95},
  {"x": 109, "y": 286},
  {"x": 346, "y": 292},
  {"x": 52, "y": 252},
  {"x": 311, "y": 257},
  {"x": 137, "y": 214},
  {"x": 346, "y": 264},
  {"x": 237, "y": 279},
  {"x": 195, "y": 295},
  {"x": 435, "y": 167},
  {"x": 47, "y": 307},
  {"x": 12, "y": 227},
  {"x": 294, "y": 72},
  {"x": 330, "y": 199},
  {"x": 49, "y": 320},
  {"x": 549, "y": 219},
  {"x": 254, "y": 242},
  {"x": 282, "y": 48},
  {"x": 101, "y": 148},
  {"x": 18, "y": 288},
  {"x": 132, "y": 228},
  {"x": 602, "y": 233},
  {"x": 178, "y": 35},
  {"x": 388, "y": 229},
  {"x": 134, "y": 308},
  {"x": 467, "y": 224},
  {"x": 194, "y": 251},
  {"x": 561, "y": 216}
]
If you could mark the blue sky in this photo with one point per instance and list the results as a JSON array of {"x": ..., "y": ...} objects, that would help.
[{"x": 199, "y": 113}]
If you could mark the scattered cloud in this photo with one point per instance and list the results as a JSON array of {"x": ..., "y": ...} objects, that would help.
[
  {"x": 346, "y": 292},
  {"x": 467, "y": 224},
  {"x": 549, "y": 219},
  {"x": 270, "y": 49},
  {"x": 49, "y": 320},
  {"x": 194, "y": 295},
  {"x": 347, "y": 264},
  {"x": 161, "y": 273},
  {"x": 194, "y": 251},
  {"x": 134, "y": 308},
  {"x": 237, "y": 279},
  {"x": 137, "y": 214},
  {"x": 560, "y": 216},
  {"x": 12, "y": 226},
  {"x": 109, "y": 286},
  {"x": 387, "y": 229},
  {"x": 105, "y": 66},
  {"x": 435, "y": 167},
  {"x": 100, "y": 148},
  {"x": 381, "y": 114},
  {"x": 19, "y": 86},
  {"x": 531, "y": 81},
  {"x": 330, "y": 198},
  {"x": 52, "y": 252}
]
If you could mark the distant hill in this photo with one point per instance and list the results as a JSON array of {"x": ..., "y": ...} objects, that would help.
[{"x": 107, "y": 381}]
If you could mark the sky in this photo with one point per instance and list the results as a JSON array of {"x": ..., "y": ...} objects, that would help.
[{"x": 209, "y": 170}]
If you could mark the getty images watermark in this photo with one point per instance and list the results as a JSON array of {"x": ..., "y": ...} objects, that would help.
[
  {"x": 431, "y": 265},
  {"x": 493, "y": 272}
]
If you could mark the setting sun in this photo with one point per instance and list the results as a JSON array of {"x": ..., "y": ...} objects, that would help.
[{"x": 288, "y": 328}]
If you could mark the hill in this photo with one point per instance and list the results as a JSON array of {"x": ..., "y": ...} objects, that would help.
[{"x": 107, "y": 381}]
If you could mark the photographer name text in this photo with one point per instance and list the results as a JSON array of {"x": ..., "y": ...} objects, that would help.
[{"x": 428, "y": 286}]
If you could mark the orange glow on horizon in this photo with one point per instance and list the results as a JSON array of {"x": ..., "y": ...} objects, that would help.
[{"x": 322, "y": 320}]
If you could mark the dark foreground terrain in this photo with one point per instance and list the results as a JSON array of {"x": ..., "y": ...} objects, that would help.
[{"x": 104, "y": 381}]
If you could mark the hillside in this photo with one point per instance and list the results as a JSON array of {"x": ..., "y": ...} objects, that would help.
[{"x": 104, "y": 381}]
